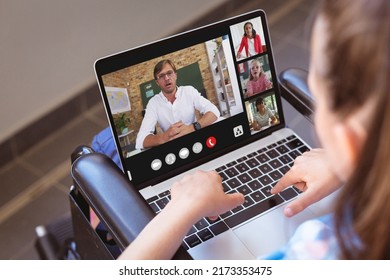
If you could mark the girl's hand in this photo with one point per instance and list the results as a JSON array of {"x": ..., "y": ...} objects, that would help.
[{"x": 312, "y": 174}]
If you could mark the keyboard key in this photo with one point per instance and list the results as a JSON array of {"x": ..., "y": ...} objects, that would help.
[
  {"x": 162, "y": 202},
  {"x": 244, "y": 190},
  {"x": 223, "y": 176},
  {"x": 275, "y": 163},
  {"x": 225, "y": 215},
  {"x": 248, "y": 201},
  {"x": 262, "y": 158},
  {"x": 244, "y": 178},
  {"x": 232, "y": 191},
  {"x": 242, "y": 159},
  {"x": 252, "y": 162},
  {"x": 265, "y": 168},
  {"x": 233, "y": 183},
  {"x": 221, "y": 168},
  {"x": 257, "y": 196},
  {"x": 242, "y": 167},
  {"x": 252, "y": 154},
  {"x": 267, "y": 191},
  {"x": 192, "y": 240},
  {"x": 273, "y": 153},
  {"x": 205, "y": 234},
  {"x": 291, "y": 137},
  {"x": 225, "y": 187},
  {"x": 230, "y": 164},
  {"x": 288, "y": 194},
  {"x": 265, "y": 180},
  {"x": 303, "y": 149},
  {"x": 271, "y": 146},
  {"x": 285, "y": 159},
  {"x": 253, "y": 211},
  {"x": 282, "y": 149},
  {"x": 275, "y": 175},
  {"x": 284, "y": 169},
  {"x": 151, "y": 199},
  {"x": 165, "y": 193},
  {"x": 294, "y": 154},
  {"x": 218, "y": 228},
  {"x": 154, "y": 207},
  {"x": 237, "y": 209},
  {"x": 255, "y": 173},
  {"x": 254, "y": 185},
  {"x": 296, "y": 143},
  {"x": 231, "y": 172}
]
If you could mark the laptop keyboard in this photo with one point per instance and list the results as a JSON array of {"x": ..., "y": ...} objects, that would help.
[{"x": 252, "y": 175}]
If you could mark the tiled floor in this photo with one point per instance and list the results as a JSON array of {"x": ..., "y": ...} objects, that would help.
[{"x": 34, "y": 187}]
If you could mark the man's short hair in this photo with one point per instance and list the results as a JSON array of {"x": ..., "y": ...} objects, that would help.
[{"x": 159, "y": 66}]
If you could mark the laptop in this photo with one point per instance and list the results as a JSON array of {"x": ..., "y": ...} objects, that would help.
[{"x": 250, "y": 147}]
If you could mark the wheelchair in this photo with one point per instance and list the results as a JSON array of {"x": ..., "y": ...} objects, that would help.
[{"x": 99, "y": 184}]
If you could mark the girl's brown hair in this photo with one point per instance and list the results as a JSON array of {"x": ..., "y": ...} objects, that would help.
[{"x": 358, "y": 70}]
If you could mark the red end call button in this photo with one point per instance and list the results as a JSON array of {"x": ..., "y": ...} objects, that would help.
[{"x": 211, "y": 142}]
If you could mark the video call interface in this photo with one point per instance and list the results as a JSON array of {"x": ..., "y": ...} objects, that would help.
[{"x": 231, "y": 73}]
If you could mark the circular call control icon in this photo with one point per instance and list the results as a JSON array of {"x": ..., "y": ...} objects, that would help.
[
  {"x": 170, "y": 158},
  {"x": 197, "y": 147},
  {"x": 211, "y": 142},
  {"x": 156, "y": 164},
  {"x": 184, "y": 153}
]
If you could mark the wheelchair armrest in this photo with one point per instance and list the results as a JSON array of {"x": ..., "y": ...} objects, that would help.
[
  {"x": 117, "y": 203},
  {"x": 294, "y": 88}
]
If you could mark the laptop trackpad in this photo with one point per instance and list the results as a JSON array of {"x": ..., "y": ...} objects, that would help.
[
  {"x": 271, "y": 231},
  {"x": 225, "y": 246}
]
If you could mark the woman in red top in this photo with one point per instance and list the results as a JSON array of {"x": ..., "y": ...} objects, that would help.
[{"x": 251, "y": 41}]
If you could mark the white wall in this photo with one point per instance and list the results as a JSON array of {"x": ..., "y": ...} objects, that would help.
[{"x": 48, "y": 47}]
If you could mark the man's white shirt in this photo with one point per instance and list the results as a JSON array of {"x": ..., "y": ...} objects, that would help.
[{"x": 160, "y": 110}]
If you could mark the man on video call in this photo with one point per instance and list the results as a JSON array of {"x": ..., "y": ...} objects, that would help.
[{"x": 173, "y": 109}]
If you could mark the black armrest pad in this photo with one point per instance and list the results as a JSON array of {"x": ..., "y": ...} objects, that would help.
[
  {"x": 110, "y": 194},
  {"x": 294, "y": 88},
  {"x": 117, "y": 203}
]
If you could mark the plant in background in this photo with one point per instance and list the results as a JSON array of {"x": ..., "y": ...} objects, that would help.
[{"x": 121, "y": 123}]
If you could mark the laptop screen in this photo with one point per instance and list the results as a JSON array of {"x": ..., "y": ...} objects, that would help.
[{"x": 184, "y": 100}]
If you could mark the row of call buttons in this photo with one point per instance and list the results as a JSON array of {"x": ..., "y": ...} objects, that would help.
[{"x": 183, "y": 153}]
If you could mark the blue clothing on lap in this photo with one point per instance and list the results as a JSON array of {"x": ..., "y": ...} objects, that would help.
[
  {"x": 103, "y": 143},
  {"x": 313, "y": 240}
]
